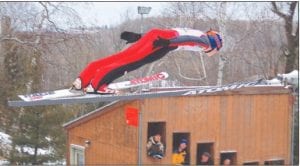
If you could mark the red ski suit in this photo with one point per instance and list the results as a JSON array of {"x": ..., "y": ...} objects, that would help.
[{"x": 101, "y": 72}]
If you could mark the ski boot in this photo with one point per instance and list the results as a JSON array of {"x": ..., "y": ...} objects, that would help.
[
  {"x": 102, "y": 90},
  {"x": 130, "y": 37},
  {"x": 76, "y": 85}
]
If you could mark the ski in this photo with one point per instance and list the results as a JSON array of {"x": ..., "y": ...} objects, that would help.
[
  {"x": 51, "y": 95},
  {"x": 111, "y": 89},
  {"x": 138, "y": 81}
]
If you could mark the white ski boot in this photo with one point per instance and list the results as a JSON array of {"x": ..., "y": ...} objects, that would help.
[{"x": 76, "y": 84}]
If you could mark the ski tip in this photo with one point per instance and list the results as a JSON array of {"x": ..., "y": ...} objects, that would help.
[
  {"x": 23, "y": 98},
  {"x": 165, "y": 74}
]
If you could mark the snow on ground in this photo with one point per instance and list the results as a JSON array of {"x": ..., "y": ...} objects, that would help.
[
  {"x": 62, "y": 162},
  {"x": 30, "y": 150},
  {"x": 5, "y": 147},
  {"x": 5, "y": 142},
  {"x": 5, "y": 139},
  {"x": 4, "y": 162}
]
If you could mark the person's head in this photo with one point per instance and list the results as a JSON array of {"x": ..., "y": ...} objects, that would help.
[
  {"x": 227, "y": 162},
  {"x": 183, "y": 144},
  {"x": 205, "y": 157},
  {"x": 215, "y": 41},
  {"x": 157, "y": 137}
]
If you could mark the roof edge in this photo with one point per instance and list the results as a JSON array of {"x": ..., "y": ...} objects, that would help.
[{"x": 66, "y": 125}]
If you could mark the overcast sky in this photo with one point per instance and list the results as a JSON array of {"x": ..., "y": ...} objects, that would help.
[{"x": 109, "y": 13}]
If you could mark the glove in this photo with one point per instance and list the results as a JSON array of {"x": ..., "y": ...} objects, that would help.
[
  {"x": 130, "y": 37},
  {"x": 160, "y": 42}
]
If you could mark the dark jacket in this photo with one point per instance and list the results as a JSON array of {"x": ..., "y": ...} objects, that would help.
[{"x": 154, "y": 147}]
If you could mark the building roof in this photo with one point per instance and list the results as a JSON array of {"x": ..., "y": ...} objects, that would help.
[
  {"x": 207, "y": 91},
  {"x": 92, "y": 114}
]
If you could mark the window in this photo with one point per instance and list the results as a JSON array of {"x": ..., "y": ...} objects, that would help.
[
  {"x": 77, "y": 155},
  {"x": 177, "y": 139},
  {"x": 157, "y": 128},
  {"x": 274, "y": 162},
  {"x": 251, "y": 163},
  {"x": 228, "y": 157},
  {"x": 201, "y": 149}
]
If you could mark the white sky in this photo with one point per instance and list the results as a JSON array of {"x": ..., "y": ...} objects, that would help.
[{"x": 109, "y": 13}]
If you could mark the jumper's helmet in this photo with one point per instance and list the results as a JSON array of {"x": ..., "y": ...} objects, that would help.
[{"x": 214, "y": 39}]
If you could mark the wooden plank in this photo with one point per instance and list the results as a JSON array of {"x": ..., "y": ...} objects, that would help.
[
  {"x": 111, "y": 138},
  {"x": 215, "y": 126},
  {"x": 257, "y": 128}
]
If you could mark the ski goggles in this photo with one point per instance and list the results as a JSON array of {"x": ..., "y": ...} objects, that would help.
[{"x": 214, "y": 39}]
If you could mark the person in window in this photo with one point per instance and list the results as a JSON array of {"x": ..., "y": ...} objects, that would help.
[
  {"x": 206, "y": 159},
  {"x": 155, "y": 148},
  {"x": 226, "y": 162},
  {"x": 180, "y": 156}
]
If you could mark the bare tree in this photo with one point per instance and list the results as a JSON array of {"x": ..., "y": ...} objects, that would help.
[
  {"x": 222, "y": 27},
  {"x": 250, "y": 46},
  {"x": 291, "y": 32},
  {"x": 26, "y": 39},
  {"x": 258, "y": 48}
]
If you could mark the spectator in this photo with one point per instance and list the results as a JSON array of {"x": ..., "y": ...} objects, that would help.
[
  {"x": 179, "y": 156},
  {"x": 155, "y": 148},
  {"x": 227, "y": 162},
  {"x": 205, "y": 159}
]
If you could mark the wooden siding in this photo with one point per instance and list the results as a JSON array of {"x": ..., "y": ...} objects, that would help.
[
  {"x": 112, "y": 141},
  {"x": 257, "y": 127}
]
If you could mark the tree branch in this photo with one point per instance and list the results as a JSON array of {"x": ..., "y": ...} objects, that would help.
[
  {"x": 276, "y": 11},
  {"x": 297, "y": 34},
  {"x": 47, "y": 16},
  {"x": 17, "y": 40},
  {"x": 292, "y": 8}
]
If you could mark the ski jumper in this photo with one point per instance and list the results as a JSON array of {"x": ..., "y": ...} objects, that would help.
[{"x": 101, "y": 72}]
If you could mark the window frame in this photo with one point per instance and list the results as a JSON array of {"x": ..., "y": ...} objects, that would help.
[
  {"x": 255, "y": 162},
  {"x": 274, "y": 160},
  {"x": 188, "y": 148},
  {"x": 74, "y": 150},
  {"x": 233, "y": 160},
  {"x": 163, "y": 132},
  {"x": 211, "y": 153}
]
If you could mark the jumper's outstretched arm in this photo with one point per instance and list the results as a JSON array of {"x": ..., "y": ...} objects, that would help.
[{"x": 187, "y": 40}]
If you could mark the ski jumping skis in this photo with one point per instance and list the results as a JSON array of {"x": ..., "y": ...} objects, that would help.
[{"x": 111, "y": 88}]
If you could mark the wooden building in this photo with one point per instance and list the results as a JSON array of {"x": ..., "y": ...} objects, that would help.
[{"x": 247, "y": 125}]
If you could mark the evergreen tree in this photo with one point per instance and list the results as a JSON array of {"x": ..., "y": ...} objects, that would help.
[{"x": 37, "y": 133}]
